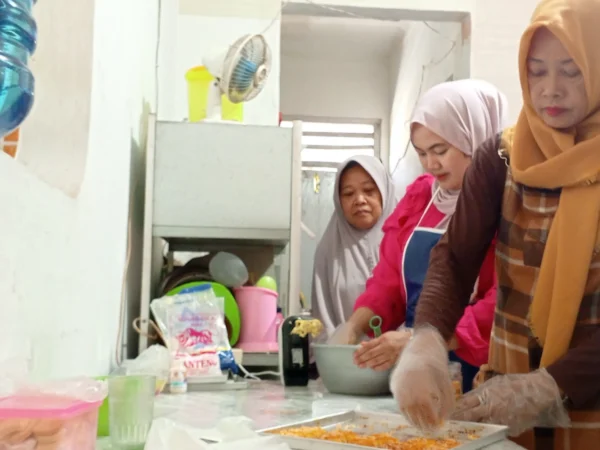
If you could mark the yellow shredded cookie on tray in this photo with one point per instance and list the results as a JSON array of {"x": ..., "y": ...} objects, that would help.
[{"x": 378, "y": 440}]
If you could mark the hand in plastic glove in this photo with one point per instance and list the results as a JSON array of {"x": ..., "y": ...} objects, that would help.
[
  {"x": 519, "y": 401},
  {"x": 421, "y": 381},
  {"x": 382, "y": 353},
  {"x": 345, "y": 334}
]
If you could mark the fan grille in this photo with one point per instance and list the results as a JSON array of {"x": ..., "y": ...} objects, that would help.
[{"x": 247, "y": 67}]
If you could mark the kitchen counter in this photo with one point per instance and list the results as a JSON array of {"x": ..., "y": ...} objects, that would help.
[{"x": 269, "y": 404}]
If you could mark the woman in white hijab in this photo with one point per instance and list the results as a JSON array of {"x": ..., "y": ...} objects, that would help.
[{"x": 349, "y": 249}]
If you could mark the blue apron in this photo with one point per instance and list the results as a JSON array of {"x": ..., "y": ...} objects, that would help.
[{"x": 415, "y": 262}]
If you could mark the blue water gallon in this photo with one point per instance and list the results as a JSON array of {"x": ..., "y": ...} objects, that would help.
[{"x": 18, "y": 35}]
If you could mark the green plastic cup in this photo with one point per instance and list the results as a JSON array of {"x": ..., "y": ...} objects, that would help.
[
  {"x": 131, "y": 410},
  {"x": 103, "y": 428}
]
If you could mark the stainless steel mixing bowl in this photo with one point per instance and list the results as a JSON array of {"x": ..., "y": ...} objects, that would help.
[{"x": 341, "y": 376}]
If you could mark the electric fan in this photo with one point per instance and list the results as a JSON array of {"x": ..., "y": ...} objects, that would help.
[{"x": 240, "y": 73}]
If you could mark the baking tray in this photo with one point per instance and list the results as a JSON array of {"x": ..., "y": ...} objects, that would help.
[{"x": 395, "y": 424}]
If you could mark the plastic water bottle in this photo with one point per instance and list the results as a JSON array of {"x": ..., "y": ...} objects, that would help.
[{"x": 18, "y": 35}]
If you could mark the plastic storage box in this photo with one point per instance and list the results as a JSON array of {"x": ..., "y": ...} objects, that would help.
[{"x": 47, "y": 422}]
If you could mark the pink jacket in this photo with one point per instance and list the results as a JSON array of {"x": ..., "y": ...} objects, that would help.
[{"x": 385, "y": 295}]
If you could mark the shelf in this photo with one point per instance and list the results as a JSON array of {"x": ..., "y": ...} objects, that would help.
[
  {"x": 224, "y": 187},
  {"x": 199, "y": 236},
  {"x": 260, "y": 359},
  {"x": 207, "y": 176}
]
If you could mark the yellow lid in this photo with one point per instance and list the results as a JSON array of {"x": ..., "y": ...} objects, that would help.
[{"x": 198, "y": 73}]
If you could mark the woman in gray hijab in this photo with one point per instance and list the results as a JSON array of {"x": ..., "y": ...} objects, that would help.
[{"x": 349, "y": 249}]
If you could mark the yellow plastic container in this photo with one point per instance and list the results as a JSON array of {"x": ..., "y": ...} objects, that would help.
[{"x": 198, "y": 81}]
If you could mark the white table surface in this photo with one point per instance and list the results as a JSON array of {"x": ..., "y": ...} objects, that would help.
[{"x": 269, "y": 404}]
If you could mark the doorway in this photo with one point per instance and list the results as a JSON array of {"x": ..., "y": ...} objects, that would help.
[{"x": 352, "y": 66}]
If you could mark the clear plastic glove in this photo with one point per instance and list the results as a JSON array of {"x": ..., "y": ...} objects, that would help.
[
  {"x": 345, "y": 334},
  {"x": 421, "y": 381},
  {"x": 520, "y": 402},
  {"x": 382, "y": 353}
]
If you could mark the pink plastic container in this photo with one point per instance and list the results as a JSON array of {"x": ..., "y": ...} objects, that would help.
[
  {"x": 259, "y": 319},
  {"x": 47, "y": 422}
]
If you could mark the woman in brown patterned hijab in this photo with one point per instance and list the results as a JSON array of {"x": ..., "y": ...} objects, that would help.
[{"x": 538, "y": 190}]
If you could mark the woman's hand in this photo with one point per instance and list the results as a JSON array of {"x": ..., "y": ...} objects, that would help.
[
  {"x": 519, "y": 401},
  {"x": 421, "y": 383},
  {"x": 382, "y": 353},
  {"x": 353, "y": 330},
  {"x": 345, "y": 334}
]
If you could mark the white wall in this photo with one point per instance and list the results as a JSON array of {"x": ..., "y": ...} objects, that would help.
[
  {"x": 337, "y": 88},
  {"x": 55, "y": 135},
  {"x": 493, "y": 35},
  {"x": 62, "y": 258},
  {"x": 191, "y": 30},
  {"x": 496, "y": 31},
  {"x": 426, "y": 58}
]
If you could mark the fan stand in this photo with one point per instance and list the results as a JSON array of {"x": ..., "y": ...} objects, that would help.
[
  {"x": 213, "y": 102},
  {"x": 213, "y": 105}
]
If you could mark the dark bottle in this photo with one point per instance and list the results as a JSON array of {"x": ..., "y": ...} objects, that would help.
[
  {"x": 18, "y": 34},
  {"x": 294, "y": 353}
]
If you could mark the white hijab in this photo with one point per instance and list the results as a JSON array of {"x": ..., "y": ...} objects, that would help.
[{"x": 345, "y": 256}]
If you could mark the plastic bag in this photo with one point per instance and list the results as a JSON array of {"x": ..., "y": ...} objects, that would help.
[
  {"x": 155, "y": 361},
  {"x": 15, "y": 381},
  {"x": 194, "y": 326},
  {"x": 231, "y": 433},
  {"x": 84, "y": 389},
  {"x": 226, "y": 358}
]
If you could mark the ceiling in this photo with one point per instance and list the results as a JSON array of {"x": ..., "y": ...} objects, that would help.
[{"x": 339, "y": 37}]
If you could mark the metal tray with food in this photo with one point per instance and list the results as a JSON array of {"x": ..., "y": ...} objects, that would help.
[{"x": 369, "y": 430}]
